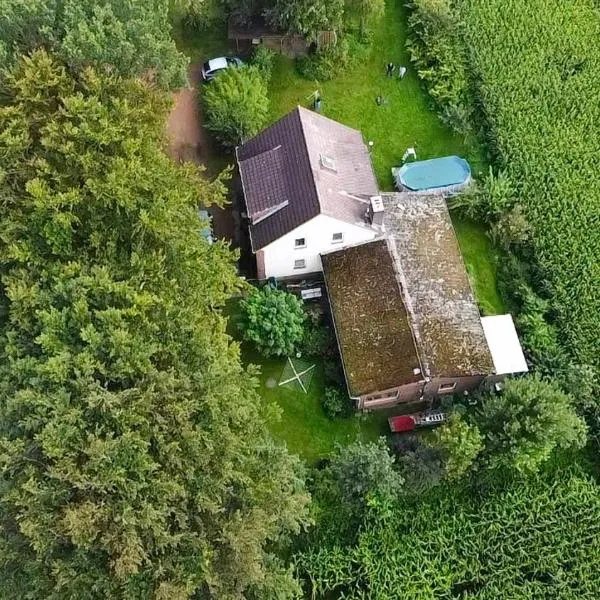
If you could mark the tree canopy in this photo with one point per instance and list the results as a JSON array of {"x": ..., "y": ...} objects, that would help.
[
  {"x": 134, "y": 462},
  {"x": 132, "y": 38},
  {"x": 236, "y": 105},
  {"x": 526, "y": 422}
]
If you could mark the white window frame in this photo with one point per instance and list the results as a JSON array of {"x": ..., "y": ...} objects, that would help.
[
  {"x": 298, "y": 246},
  {"x": 446, "y": 388},
  {"x": 300, "y": 263},
  {"x": 336, "y": 241}
]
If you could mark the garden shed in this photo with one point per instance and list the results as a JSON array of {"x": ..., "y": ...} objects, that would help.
[{"x": 259, "y": 32}]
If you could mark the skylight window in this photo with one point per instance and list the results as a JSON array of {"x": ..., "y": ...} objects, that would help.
[{"x": 327, "y": 162}]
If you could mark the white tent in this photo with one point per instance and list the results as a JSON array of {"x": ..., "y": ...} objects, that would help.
[{"x": 504, "y": 344}]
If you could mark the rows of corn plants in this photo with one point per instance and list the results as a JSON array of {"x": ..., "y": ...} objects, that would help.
[
  {"x": 536, "y": 69},
  {"x": 538, "y": 540}
]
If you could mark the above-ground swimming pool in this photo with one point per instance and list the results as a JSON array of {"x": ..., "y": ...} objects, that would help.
[{"x": 449, "y": 173}]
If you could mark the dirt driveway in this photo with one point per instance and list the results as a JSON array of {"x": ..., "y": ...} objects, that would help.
[{"x": 188, "y": 141}]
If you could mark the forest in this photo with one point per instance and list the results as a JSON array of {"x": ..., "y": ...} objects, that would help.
[{"x": 141, "y": 456}]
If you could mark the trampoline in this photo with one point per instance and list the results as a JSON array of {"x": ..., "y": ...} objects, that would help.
[{"x": 450, "y": 173}]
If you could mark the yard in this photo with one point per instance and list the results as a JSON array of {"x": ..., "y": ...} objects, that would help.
[{"x": 404, "y": 120}]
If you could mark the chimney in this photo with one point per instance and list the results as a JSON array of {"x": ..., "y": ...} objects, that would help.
[{"x": 376, "y": 211}]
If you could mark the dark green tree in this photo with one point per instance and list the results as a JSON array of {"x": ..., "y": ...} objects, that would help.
[
  {"x": 526, "y": 423},
  {"x": 134, "y": 462},
  {"x": 236, "y": 104},
  {"x": 356, "y": 477},
  {"x": 273, "y": 320},
  {"x": 132, "y": 38}
]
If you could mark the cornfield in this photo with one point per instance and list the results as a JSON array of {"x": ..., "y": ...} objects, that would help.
[
  {"x": 538, "y": 540},
  {"x": 536, "y": 66}
]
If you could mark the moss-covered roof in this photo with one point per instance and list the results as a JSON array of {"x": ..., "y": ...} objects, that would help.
[
  {"x": 444, "y": 315},
  {"x": 372, "y": 325}
]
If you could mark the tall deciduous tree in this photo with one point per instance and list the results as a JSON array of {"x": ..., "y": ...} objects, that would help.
[
  {"x": 459, "y": 444},
  {"x": 526, "y": 422},
  {"x": 236, "y": 104},
  {"x": 273, "y": 320},
  {"x": 132, "y": 38},
  {"x": 134, "y": 462}
]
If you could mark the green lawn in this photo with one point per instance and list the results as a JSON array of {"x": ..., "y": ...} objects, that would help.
[
  {"x": 481, "y": 259},
  {"x": 301, "y": 422},
  {"x": 406, "y": 120}
]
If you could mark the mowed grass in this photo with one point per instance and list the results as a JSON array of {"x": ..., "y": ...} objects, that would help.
[
  {"x": 300, "y": 421},
  {"x": 405, "y": 120},
  {"x": 296, "y": 418},
  {"x": 480, "y": 259}
]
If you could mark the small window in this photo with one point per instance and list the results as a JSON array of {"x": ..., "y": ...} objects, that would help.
[
  {"x": 327, "y": 162},
  {"x": 300, "y": 264},
  {"x": 337, "y": 238},
  {"x": 300, "y": 243},
  {"x": 447, "y": 387}
]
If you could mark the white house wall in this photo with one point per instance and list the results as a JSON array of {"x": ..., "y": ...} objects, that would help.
[{"x": 280, "y": 255}]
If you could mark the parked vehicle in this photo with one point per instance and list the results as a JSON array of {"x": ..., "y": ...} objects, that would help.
[
  {"x": 214, "y": 66},
  {"x": 403, "y": 423}
]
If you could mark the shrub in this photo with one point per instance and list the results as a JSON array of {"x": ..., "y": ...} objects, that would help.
[
  {"x": 459, "y": 444},
  {"x": 262, "y": 59},
  {"x": 333, "y": 371},
  {"x": 421, "y": 465},
  {"x": 488, "y": 200},
  {"x": 236, "y": 104},
  {"x": 326, "y": 63},
  {"x": 335, "y": 402},
  {"x": 273, "y": 320}
]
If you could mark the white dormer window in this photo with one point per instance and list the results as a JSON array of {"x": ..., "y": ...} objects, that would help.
[
  {"x": 337, "y": 238},
  {"x": 300, "y": 243},
  {"x": 300, "y": 264},
  {"x": 327, "y": 162}
]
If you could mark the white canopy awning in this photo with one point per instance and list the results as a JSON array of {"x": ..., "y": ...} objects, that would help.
[{"x": 504, "y": 344}]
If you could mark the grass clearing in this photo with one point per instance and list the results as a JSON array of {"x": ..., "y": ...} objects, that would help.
[
  {"x": 481, "y": 261},
  {"x": 297, "y": 418},
  {"x": 405, "y": 120}
]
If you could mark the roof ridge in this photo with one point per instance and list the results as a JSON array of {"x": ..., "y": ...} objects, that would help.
[{"x": 407, "y": 301}]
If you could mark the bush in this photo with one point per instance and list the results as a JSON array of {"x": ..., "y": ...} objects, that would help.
[
  {"x": 273, "y": 320},
  {"x": 459, "y": 444},
  {"x": 334, "y": 372},
  {"x": 332, "y": 60},
  {"x": 488, "y": 200},
  {"x": 262, "y": 59},
  {"x": 421, "y": 465},
  {"x": 335, "y": 402},
  {"x": 236, "y": 104}
]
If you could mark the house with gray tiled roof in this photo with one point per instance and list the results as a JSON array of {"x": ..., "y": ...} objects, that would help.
[
  {"x": 407, "y": 323},
  {"x": 308, "y": 187}
]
